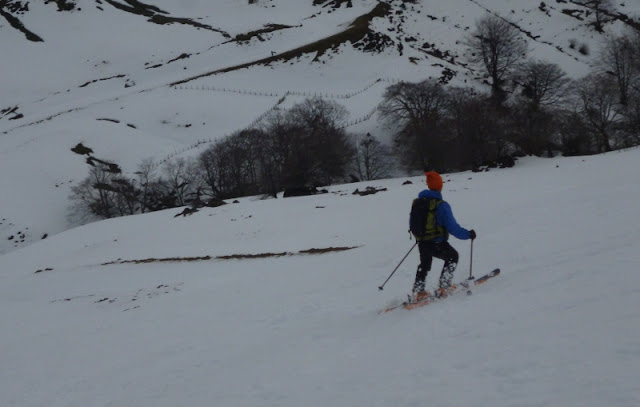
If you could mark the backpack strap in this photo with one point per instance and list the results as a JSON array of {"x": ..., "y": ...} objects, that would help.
[{"x": 434, "y": 231}]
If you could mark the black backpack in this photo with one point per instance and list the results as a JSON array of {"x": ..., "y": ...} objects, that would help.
[{"x": 422, "y": 219}]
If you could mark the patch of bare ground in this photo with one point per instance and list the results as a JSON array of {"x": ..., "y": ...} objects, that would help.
[
  {"x": 184, "y": 55},
  {"x": 325, "y": 250},
  {"x": 368, "y": 191},
  {"x": 17, "y": 7},
  {"x": 252, "y": 256},
  {"x": 269, "y": 28},
  {"x": 101, "y": 80},
  {"x": 359, "y": 34},
  {"x": 312, "y": 251},
  {"x": 333, "y": 3},
  {"x": 159, "y": 16},
  {"x": 160, "y": 260},
  {"x": 13, "y": 110}
]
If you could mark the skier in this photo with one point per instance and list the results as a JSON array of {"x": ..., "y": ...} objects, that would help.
[{"x": 435, "y": 221}]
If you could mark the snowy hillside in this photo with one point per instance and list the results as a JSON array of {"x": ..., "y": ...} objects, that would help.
[
  {"x": 276, "y": 302},
  {"x": 231, "y": 306},
  {"x": 134, "y": 80}
]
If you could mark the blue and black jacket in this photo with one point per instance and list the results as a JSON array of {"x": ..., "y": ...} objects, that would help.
[{"x": 444, "y": 217}]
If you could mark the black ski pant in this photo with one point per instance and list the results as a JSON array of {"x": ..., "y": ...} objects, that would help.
[{"x": 441, "y": 250}]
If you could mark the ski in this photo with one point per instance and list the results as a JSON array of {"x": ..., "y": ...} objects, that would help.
[
  {"x": 484, "y": 278},
  {"x": 464, "y": 285}
]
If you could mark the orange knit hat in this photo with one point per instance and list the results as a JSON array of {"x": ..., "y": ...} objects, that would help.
[{"x": 434, "y": 181}]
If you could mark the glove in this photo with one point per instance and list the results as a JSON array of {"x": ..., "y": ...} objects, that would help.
[{"x": 472, "y": 234}]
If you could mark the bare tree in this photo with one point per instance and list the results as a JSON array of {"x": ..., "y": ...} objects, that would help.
[
  {"x": 303, "y": 147},
  {"x": 208, "y": 164},
  {"x": 574, "y": 134},
  {"x": 329, "y": 148},
  {"x": 634, "y": 36},
  {"x": 240, "y": 160},
  {"x": 373, "y": 159},
  {"x": 532, "y": 128},
  {"x": 286, "y": 158},
  {"x": 415, "y": 111},
  {"x": 596, "y": 102},
  {"x": 476, "y": 128},
  {"x": 497, "y": 46},
  {"x": 180, "y": 178},
  {"x": 407, "y": 104},
  {"x": 145, "y": 175},
  {"x": 126, "y": 196},
  {"x": 222, "y": 165},
  {"x": 632, "y": 119},
  {"x": 619, "y": 58},
  {"x": 544, "y": 86},
  {"x": 543, "y": 83},
  {"x": 600, "y": 8},
  {"x": 93, "y": 197}
]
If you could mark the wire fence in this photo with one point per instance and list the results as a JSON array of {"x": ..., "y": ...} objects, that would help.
[
  {"x": 277, "y": 106},
  {"x": 325, "y": 95}
]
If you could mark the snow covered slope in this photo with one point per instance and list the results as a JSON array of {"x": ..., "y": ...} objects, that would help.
[
  {"x": 101, "y": 73},
  {"x": 83, "y": 324}
]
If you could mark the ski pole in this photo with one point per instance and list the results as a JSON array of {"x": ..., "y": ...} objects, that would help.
[
  {"x": 471, "y": 262},
  {"x": 395, "y": 269}
]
